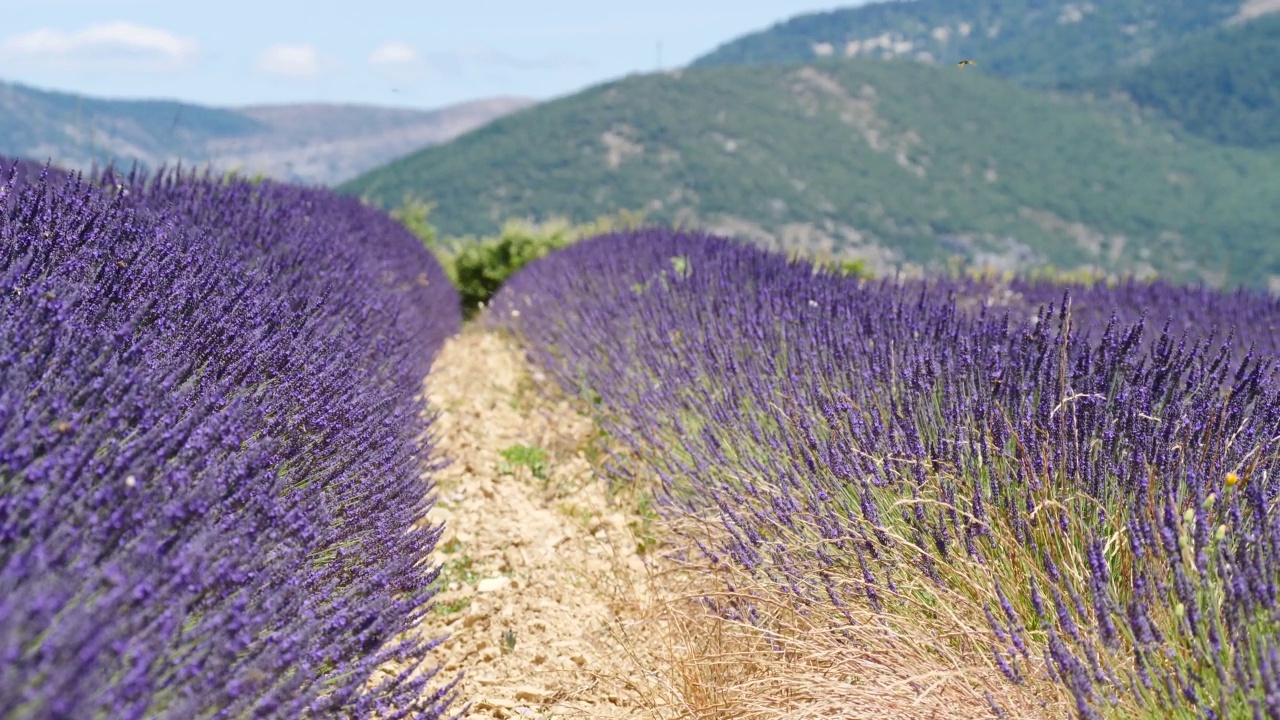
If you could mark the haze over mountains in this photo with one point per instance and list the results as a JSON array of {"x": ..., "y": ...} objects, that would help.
[
  {"x": 313, "y": 144},
  {"x": 1069, "y": 143}
]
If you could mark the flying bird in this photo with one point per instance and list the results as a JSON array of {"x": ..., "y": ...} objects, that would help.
[{"x": 962, "y": 63}]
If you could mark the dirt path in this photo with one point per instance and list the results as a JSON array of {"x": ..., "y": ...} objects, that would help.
[{"x": 536, "y": 554}]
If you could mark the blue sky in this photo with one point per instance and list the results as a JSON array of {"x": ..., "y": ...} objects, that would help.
[{"x": 387, "y": 52}]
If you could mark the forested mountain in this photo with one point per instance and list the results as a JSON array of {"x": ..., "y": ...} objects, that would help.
[{"x": 896, "y": 161}]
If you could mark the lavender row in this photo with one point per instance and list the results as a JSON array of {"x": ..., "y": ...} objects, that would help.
[
  {"x": 212, "y": 450},
  {"x": 1107, "y": 488},
  {"x": 1254, "y": 317}
]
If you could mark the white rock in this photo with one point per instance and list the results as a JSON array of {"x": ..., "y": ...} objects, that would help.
[{"x": 492, "y": 584}]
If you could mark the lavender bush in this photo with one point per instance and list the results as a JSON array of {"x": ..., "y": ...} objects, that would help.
[
  {"x": 212, "y": 447},
  {"x": 1103, "y": 491},
  {"x": 1254, "y": 317},
  {"x": 23, "y": 170}
]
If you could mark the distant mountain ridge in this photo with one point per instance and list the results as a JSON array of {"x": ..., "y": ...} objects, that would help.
[
  {"x": 1211, "y": 66},
  {"x": 308, "y": 143},
  {"x": 1132, "y": 136},
  {"x": 1037, "y": 42},
  {"x": 894, "y": 161}
]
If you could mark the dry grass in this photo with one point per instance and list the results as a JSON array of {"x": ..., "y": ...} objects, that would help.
[{"x": 807, "y": 660}]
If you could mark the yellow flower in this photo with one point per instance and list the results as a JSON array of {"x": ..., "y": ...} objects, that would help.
[{"x": 1232, "y": 479}]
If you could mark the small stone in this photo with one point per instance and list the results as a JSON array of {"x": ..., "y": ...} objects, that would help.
[
  {"x": 493, "y": 584},
  {"x": 617, "y": 523},
  {"x": 511, "y": 559},
  {"x": 497, "y": 707},
  {"x": 529, "y": 693}
]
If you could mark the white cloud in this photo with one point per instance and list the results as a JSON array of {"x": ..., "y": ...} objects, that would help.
[
  {"x": 290, "y": 60},
  {"x": 393, "y": 54},
  {"x": 114, "y": 43}
]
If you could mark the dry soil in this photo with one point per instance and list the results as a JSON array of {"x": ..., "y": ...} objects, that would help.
[{"x": 538, "y": 561}]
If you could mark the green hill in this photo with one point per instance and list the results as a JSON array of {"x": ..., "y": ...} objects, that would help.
[
  {"x": 898, "y": 162},
  {"x": 1040, "y": 42},
  {"x": 1222, "y": 85},
  {"x": 1208, "y": 65}
]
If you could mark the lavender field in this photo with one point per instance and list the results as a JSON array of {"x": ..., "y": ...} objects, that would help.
[
  {"x": 211, "y": 450},
  {"x": 216, "y": 459},
  {"x": 1091, "y": 471}
]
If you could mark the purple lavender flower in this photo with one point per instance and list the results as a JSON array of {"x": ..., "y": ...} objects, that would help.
[
  {"x": 211, "y": 451},
  {"x": 1070, "y": 426}
]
